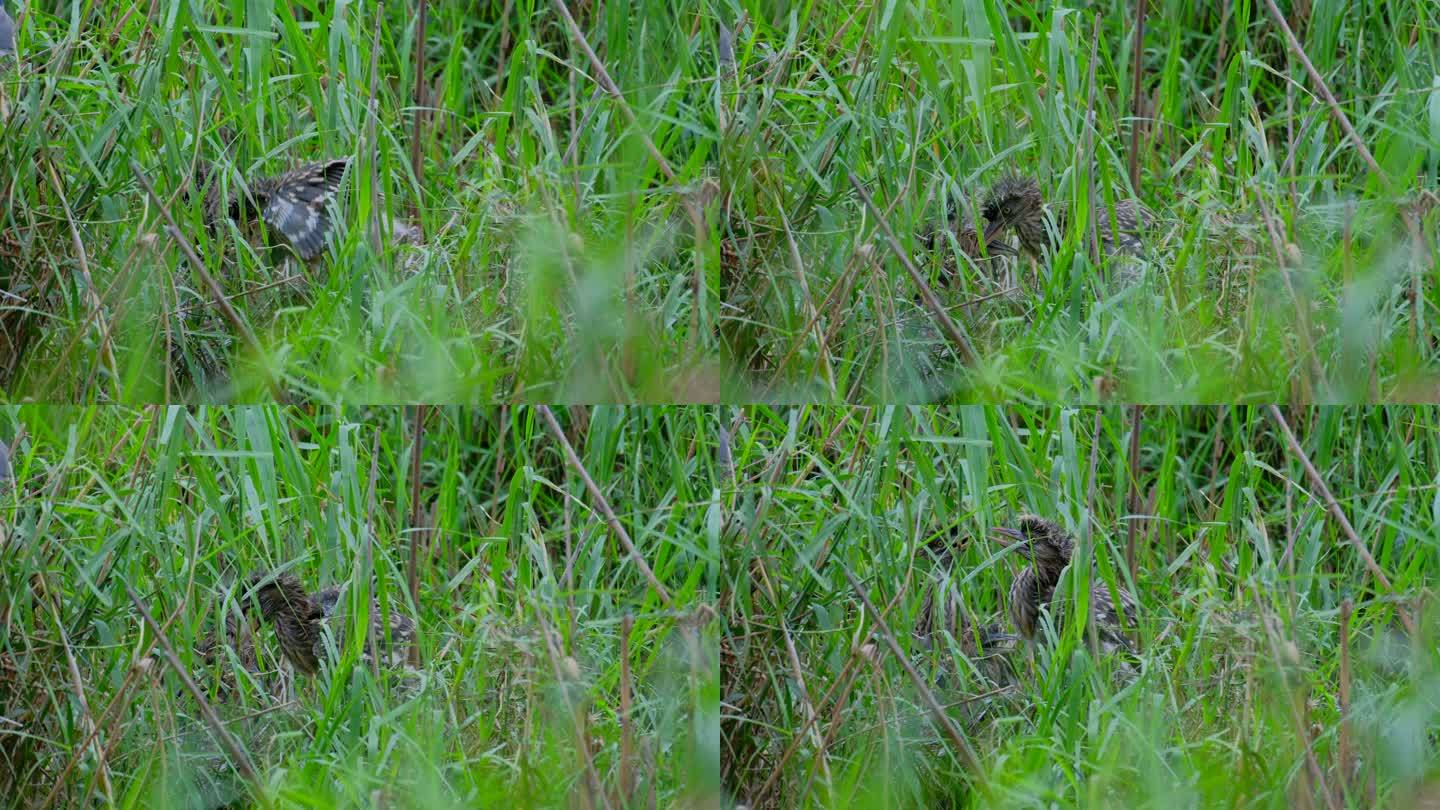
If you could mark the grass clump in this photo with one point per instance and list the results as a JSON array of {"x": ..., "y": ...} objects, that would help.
[
  {"x": 548, "y": 669},
  {"x": 1282, "y": 265},
  {"x": 1242, "y": 692},
  {"x": 504, "y": 231}
]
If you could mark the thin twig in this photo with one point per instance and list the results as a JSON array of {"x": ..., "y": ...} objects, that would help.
[
  {"x": 603, "y": 505},
  {"x": 813, "y": 313},
  {"x": 841, "y": 684},
  {"x": 106, "y": 350},
  {"x": 246, "y": 293},
  {"x": 567, "y": 674},
  {"x": 103, "y": 724},
  {"x": 367, "y": 570},
  {"x": 1093, "y": 243},
  {"x": 417, "y": 163},
  {"x": 1134, "y": 499},
  {"x": 232, "y": 746},
  {"x": 1344, "y": 753},
  {"x": 1296, "y": 700},
  {"x": 1324, "y": 89},
  {"x": 697, "y": 217},
  {"x": 417, "y": 444},
  {"x": 1339, "y": 514},
  {"x": 1301, "y": 316},
  {"x": 372, "y": 140},
  {"x": 627, "y": 743},
  {"x": 952, "y": 330},
  {"x": 1135, "y": 70},
  {"x": 209, "y": 281},
  {"x": 1092, "y": 633},
  {"x": 797, "y": 671},
  {"x": 937, "y": 712},
  {"x": 837, "y": 291},
  {"x": 79, "y": 683},
  {"x": 602, "y": 76},
  {"x": 1344, "y": 122}
]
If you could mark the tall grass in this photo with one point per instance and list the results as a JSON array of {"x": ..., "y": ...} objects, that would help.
[
  {"x": 1240, "y": 573},
  {"x": 1281, "y": 268},
  {"x": 523, "y": 593},
  {"x": 557, "y": 263}
]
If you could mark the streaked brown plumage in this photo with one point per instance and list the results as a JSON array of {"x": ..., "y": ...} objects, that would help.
[
  {"x": 961, "y": 224},
  {"x": 293, "y": 204},
  {"x": 987, "y": 647},
  {"x": 299, "y": 619},
  {"x": 1015, "y": 202},
  {"x": 216, "y": 652},
  {"x": 1048, "y": 547}
]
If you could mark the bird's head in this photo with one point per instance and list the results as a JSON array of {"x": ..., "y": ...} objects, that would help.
[
  {"x": 1014, "y": 200},
  {"x": 209, "y": 183},
  {"x": 968, "y": 238},
  {"x": 988, "y": 638},
  {"x": 273, "y": 594},
  {"x": 1041, "y": 541}
]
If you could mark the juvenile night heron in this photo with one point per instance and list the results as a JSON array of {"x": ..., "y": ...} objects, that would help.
[
  {"x": 960, "y": 222},
  {"x": 236, "y": 645},
  {"x": 295, "y": 205},
  {"x": 1048, "y": 548},
  {"x": 300, "y": 620},
  {"x": 1015, "y": 202},
  {"x": 986, "y": 647}
]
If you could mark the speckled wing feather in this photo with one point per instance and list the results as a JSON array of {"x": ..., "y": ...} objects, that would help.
[
  {"x": 296, "y": 204},
  {"x": 1108, "y": 626},
  {"x": 390, "y": 640},
  {"x": 1017, "y": 200},
  {"x": 1030, "y": 594},
  {"x": 1130, "y": 219}
]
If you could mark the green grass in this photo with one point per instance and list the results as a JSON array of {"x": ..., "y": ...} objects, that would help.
[
  {"x": 1239, "y": 572},
  {"x": 522, "y": 593},
  {"x": 1281, "y": 267},
  {"x": 559, "y": 263}
]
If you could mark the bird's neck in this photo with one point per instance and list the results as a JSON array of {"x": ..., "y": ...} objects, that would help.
[
  {"x": 295, "y": 605},
  {"x": 1047, "y": 574}
]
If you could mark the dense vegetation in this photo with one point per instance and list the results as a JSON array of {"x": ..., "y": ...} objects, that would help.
[
  {"x": 556, "y": 258},
  {"x": 1282, "y": 266},
  {"x": 528, "y": 689},
  {"x": 1242, "y": 577}
]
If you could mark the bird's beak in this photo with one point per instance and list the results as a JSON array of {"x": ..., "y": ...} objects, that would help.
[
  {"x": 993, "y": 229},
  {"x": 1012, "y": 538},
  {"x": 1008, "y": 533},
  {"x": 993, "y": 639}
]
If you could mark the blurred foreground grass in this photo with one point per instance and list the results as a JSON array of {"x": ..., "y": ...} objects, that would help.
[
  {"x": 527, "y": 693},
  {"x": 1241, "y": 575}
]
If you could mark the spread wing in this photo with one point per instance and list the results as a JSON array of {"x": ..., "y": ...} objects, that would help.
[{"x": 298, "y": 207}]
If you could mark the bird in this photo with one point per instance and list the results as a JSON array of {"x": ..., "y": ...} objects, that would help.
[
  {"x": 1048, "y": 547},
  {"x": 294, "y": 204},
  {"x": 986, "y": 647},
  {"x": 213, "y": 651},
  {"x": 7, "y": 31},
  {"x": 300, "y": 619},
  {"x": 961, "y": 223},
  {"x": 1015, "y": 202}
]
